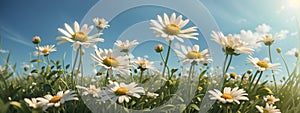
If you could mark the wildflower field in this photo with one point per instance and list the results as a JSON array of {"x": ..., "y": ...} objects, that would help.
[{"x": 125, "y": 83}]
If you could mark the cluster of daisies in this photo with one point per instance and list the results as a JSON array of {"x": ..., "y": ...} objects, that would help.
[
  {"x": 51, "y": 100},
  {"x": 269, "y": 108}
]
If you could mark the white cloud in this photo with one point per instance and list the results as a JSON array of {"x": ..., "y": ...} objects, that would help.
[
  {"x": 282, "y": 34},
  {"x": 250, "y": 37},
  {"x": 294, "y": 33},
  {"x": 11, "y": 35},
  {"x": 3, "y": 51},
  {"x": 291, "y": 52},
  {"x": 263, "y": 28}
]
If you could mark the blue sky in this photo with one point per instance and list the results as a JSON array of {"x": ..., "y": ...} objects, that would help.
[{"x": 21, "y": 20}]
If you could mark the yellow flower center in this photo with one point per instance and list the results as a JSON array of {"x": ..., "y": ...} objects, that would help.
[
  {"x": 265, "y": 110},
  {"x": 271, "y": 99},
  {"x": 80, "y": 36},
  {"x": 226, "y": 96},
  {"x": 45, "y": 50},
  {"x": 263, "y": 64},
  {"x": 193, "y": 55},
  {"x": 172, "y": 29},
  {"x": 94, "y": 90},
  {"x": 55, "y": 99},
  {"x": 142, "y": 63},
  {"x": 232, "y": 75},
  {"x": 268, "y": 36},
  {"x": 244, "y": 82},
  {"x": 108, "y": 61},
  {"x": 122, "y": 91}
]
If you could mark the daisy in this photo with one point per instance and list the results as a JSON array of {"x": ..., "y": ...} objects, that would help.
[
  {"x": 60, "y": 98},
  {"x": 78, "y": 36},
  {"x": 111, "y": 62},
  {"x": 90, "y": 90},
  {"x": 228, "y": 95},
  {"x": 125, "y": 46},
  {"x": 268, "y": 39},
  {"x": 232, "y": 45},
  {"x": 144, "y": 64},
  {"x": 270, "y": 99},
  {"x": 190, "y": 55},
  {"x": 100, "y": 23},
  {"x": 46, "y": 50},
  {"x": 263, "y": 65},
  {"x": 152, "y": 95},
  {"x": 34, "y": 103},
  {"x": 171, "y": 28},
  {"x": 268, "y": 109},
  {"x": 121, "y": 92}
]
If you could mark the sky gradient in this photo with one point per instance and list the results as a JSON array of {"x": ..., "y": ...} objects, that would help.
[{"x": 21, "y": 20}]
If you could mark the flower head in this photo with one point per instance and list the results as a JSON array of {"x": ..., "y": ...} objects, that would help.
[
  {"x": 111, "y": 62},
  {"x": 60, "y": 98},
  {"x": 269, "y": 108},
  {"x": 100, "y": 23},
  {"x": 171, "y": 27},
  {"x": 267, "y": 39},
  {"x": 270, "y": 99},
  {"x": 121, "y": 92},
  {"x": 36, "y": 40},
  {"x": 228, "y": 95},
  {"x": 263, "y": 65},
  {"x": 232, "y": 45},
  {"x": 144, "y": 64},
  {"x": 159, "y": 48},
  {"x": 125, "y": 46},
  {"x": 152, "y": 95},
  {"x": 34, "y": 103},
  {"x": 90, "y": 90},
  {"x": 46, "y": 50},
  {"x": 78, "y": 36},
  {"x": 190, "y": 55}
]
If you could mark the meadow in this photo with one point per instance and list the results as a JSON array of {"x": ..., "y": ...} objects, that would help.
[{"x": 127, "y": 83}]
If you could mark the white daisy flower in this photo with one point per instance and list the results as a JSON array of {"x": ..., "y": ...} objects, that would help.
[
  {"x": 121, "y": 92},
  {"x": 268, "y": 39},
  {"x": 34, "y": 103},
  {"x": 263, "y": 65},
  {"x": 190, "y": 55},
  {"x": 90, "y": 90},
  {"x": 60, "y": 98},
  {"x": 228, "y": 95},
  {"x": 268, "y": 109},
  {"x": 78, "y": 36},
  {"x": 46, "y": 50},
  {"x": 111, "y": 62},
  {"x": 171, "y": 28},
  {"x": 270, "y": 99},
  {"x": 152, "y": 95},
  {"x": 100, "y": 23},
  {"x": 232, "y": 45},
  {"x": 125, "y": 46},
  {"x": 144, "y": 64}
]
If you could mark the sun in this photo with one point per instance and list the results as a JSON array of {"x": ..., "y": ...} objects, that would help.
[{"x": 295, "y": 4}]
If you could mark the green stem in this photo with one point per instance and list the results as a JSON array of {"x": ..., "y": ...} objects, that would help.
[
  {"x": 251, "y": 81},
  {"x": 225, "y": 60},
  {"x": 106, "y": 78},
  {"x": 80, "y": 66},
  {"x": 285, "y": 64},
  {"x": 290, "y": 76},
  {"x": 141, "y": 76},
  {"x": 260, "y": 75},
  {"x": 73, "y": 73},
  {"x": 270, "y": 55},
  {"x": 167, "y": 58},
  {"x": 48, "y": 60},
  {"x": 228, "y": 65},
  {"x": 39, "y": 56},
  {"x": 163, "y": 59}
]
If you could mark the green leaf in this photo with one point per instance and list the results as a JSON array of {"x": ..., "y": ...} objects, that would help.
[
  {"x": 35, "y": 60},
  {"x": 195, "y": 107}
]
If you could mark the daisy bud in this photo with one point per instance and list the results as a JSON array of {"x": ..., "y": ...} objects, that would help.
[
  {"x": 159, "y": 48},
  {"x": 36, "y": 40},
  {"x": 278, "y": 50},
  {"x": 296, "y": 54},
  {"x": 249, "y": 71}
]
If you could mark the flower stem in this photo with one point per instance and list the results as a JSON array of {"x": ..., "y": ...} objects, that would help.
[
  {"x": 258, "y": 80},
  {"x": 228, "y": 65},
  {"x": 141, "y": 76},
  {"x": 74, "y": 64},
  {"x": 225, "y": 60},
  {"x": 48, "y": 60},
  {"x": 251, "y": 81},
  {"x": 270, "y": 55},
  {"x": 106, "y": 78},
  {"x": 167, "y": 58},
  {"x": 39, "y": 56}
]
